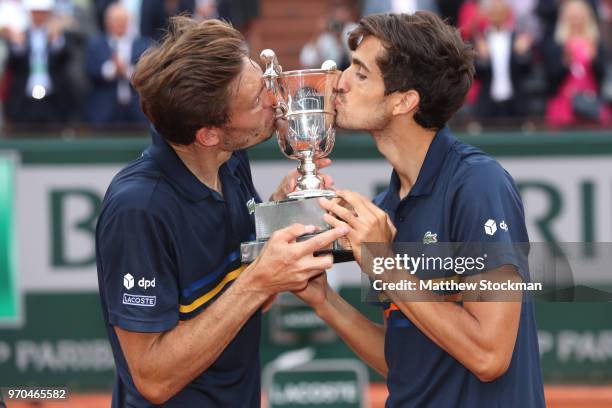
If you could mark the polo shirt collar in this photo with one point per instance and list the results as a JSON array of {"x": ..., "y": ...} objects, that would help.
[
  {"x": 440, "y": 145},
  {"x": 179, "y": 175}
]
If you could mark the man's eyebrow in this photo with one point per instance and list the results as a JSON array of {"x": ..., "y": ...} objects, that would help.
[{"x": 357, "y": 61}]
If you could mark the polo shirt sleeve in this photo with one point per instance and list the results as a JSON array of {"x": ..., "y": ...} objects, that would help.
[
  {"x": 138, "y": 272},
  {"x": 487, "y": 218}
]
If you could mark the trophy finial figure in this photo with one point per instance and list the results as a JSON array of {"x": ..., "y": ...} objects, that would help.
[
  {"x": 271, "y": 75},
  {"x": 329, "y": 65}
]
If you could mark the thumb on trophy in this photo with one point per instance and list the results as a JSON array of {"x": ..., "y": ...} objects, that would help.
[{"x": 328, "y": 181}]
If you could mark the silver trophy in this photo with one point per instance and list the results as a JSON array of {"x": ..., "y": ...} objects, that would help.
[{"x": 305, "y": 98}]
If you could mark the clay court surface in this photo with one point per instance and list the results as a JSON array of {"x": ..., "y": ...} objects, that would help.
[{"x": 557, "y": 396}]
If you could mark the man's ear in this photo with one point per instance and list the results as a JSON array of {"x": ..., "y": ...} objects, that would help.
[
  {"x": 208, "y": 136},
  {"x": 407, "y": 102}
]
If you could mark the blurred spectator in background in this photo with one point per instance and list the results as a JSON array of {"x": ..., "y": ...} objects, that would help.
[
  {"x": 503, "y": 61},
  {"x": 40, "y": 91},
  {"x": 575, "y": 66},
  {"x": 78, "y": 18},
  {"x": 330, "y": 40},
  {"x": 472, "y": 24},
  {"x": 606, "y": 26},
  {"x": 241, "y": 13},
  {"x": 398, "y": 6},
  {"x": 523, "y": 14},
  {"x": 547, "y": 12},
  {"x": 135, "y": 8},
  {"x": 148, "y": 18},
  {"x": 151, "y": 18},
  {"x": 449, "y": 10},
  {"x": 472, "y": 21},
  {"x": 205, "y": 9},
  {"x": 78, "y": 15},
  {"x": 524, "y": 18},
  {"x": 110, "y": 60},
  {"x": 606, "y": 35},
  {"x": 13, "y": 18}
]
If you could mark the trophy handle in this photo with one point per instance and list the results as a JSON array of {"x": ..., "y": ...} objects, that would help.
[{"x": 271, "y": 78}]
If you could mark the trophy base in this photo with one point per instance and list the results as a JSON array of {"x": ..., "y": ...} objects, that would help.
[
  {"x": 251, "y": 250},
  {"x": 275, "y": 215}
]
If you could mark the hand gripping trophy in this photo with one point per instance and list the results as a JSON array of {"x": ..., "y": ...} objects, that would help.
[{"x": 305, "y": 98}]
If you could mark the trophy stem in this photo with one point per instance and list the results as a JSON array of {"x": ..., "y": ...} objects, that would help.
[
  {"x": 309, "y": 183},
  {"x": 309, "y": 179}
]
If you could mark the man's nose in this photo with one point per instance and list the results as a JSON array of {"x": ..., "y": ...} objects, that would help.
[{"x": 342, "y": 86}]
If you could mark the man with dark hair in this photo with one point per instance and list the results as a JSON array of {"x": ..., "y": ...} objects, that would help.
[
  {"x": 409, "y": 75},
  {"x": 182, "y": 314}
]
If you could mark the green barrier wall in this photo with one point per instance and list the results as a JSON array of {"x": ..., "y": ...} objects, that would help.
[
  {"x": 9, "y": 307},
  {"x": 348, "y": 146}
]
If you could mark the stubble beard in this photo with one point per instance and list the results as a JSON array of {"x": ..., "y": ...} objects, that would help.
[
  {"x": 375, "y": 120},
  {"x": 243, "y": 139}
]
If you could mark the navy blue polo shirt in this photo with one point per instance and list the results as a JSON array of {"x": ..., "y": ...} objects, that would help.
[
  {"x": 167, "y": 247},
  {"x": 459, "y": 194}
]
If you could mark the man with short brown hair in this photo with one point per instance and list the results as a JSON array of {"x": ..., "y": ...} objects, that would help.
[{"x": 182, "y": 314}]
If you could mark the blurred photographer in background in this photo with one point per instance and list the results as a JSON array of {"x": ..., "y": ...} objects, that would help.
[{"x": 329, "y": 40}]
